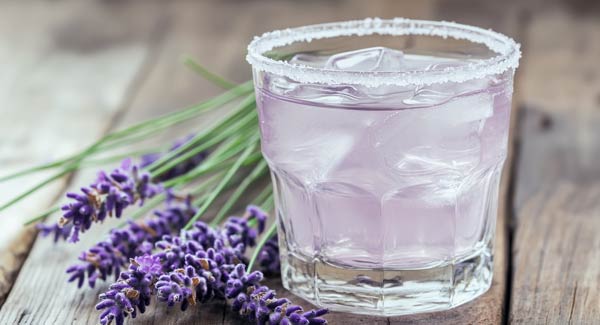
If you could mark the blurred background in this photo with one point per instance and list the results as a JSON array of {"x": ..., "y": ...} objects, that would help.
[{"x": 74, "y": 70}]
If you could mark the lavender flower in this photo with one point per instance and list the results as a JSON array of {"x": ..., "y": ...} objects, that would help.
[
  {"x": 59, "y": 232},
  {"x": 268, "y": 258},
  {"x": 187, "y": 286},
  {"x": 109, "y": 195},
  {"x": 200, "y": 265},
  {"x": 259, "y": 305},
  {"x": 254, "y": 212},
  {"x": 109, "y": 256},
  {"x": 131, "y": 293},
  {"x": 148, "y": 264},
  {"x": 177, "y": 282},
  {"x": 240, "y": 281}
]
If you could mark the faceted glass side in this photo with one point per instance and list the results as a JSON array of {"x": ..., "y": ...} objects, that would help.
[
  {"x": 381, "y": 290},
  {"x": 385, "y": 210}
]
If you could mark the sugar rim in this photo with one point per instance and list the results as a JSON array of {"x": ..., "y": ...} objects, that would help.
[{"x": 508, "y": 52}]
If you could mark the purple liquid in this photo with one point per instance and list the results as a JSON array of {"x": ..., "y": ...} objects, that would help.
[{"x": 388, "y": 178}]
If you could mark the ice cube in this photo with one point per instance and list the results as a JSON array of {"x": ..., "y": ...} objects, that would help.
[
  {"x": 350, "y": 220},
  {"x": 369, "y": 59},
  {"x": 309, "y": 59},
  {"x": 461, "y": 110},
  {"x": 442, "y": 140},
  {"x": 302, "y": 140}
]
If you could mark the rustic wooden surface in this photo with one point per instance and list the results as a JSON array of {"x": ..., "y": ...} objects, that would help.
[
  {"x": 73, "y": 70},
  {"x": 556, "y": 268}
]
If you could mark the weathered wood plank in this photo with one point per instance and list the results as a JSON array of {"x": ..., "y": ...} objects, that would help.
[
  {"x": 65, "y": 75},
  {"x": 556, "y": 248}
]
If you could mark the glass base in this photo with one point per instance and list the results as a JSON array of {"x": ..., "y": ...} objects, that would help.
[{"x": 388, "y": 292}]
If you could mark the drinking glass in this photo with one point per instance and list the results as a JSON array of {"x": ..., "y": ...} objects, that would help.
[{"x": 386, "y": 141}]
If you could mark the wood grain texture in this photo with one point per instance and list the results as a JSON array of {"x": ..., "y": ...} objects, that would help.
[
  {"x": 554, "y": 279},
  {"x": 59, "y": 91},
  {"x": 169, "y": 86},
  {"x": 41, "y": 293},
  {"x": 556, "y": 273}
]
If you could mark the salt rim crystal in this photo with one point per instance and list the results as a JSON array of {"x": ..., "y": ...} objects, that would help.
[{"x": 507, "y": 49}]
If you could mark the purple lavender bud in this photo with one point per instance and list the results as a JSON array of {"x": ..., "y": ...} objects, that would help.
[
  {"x": 239, "y": 281},
  {"x": 60, "y": 233},
  {"x": 259, "y": 305},
  {"x": 109, "y": 195},
  {"x": 237, "y": 231},
  {"x": 268, "y": 258},
  {"x": 148, "y": 264},
  {"x": 254, "y": 212},
  {"x": 127, "y": 296},
  {"x": 176, "y": 287}
]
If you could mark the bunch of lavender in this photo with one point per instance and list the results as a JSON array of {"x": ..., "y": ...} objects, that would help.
[
  {"x": 197, "y": 265},
  {"x": 200, "y": 265},
  {"x": 137, "y": 238}
]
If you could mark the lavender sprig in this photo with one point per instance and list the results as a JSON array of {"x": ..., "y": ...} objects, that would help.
[
  {"x": 179, "y": 279},
  {"x": 108, "y": 196},
  {"x": 136, "y": 239},
  {"x": 259, "y": 305},
  {"x": 59, "y": 232},
  {"x": 131, "y": 293},
  {"x": 112, "y": 192}
]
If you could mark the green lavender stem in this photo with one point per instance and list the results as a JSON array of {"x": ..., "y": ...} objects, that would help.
[
  {"x": 206, "y": 74},
  {"x": 262, "y": 196},
  {"x": 114, "y": 139},
  {"x": 222, "y": 184},
  {"x": 268, "y": 235},
  {"x": 41, "y": 216},
  {"x": 269, "y": 203},
  {"x": 34, "y": 169},
  {"x": 245, "y": 123},
  {"x": 36, "y": 188},
  {"x": 259, "y": 170},
  {"x": 218, "y": 159},
  {"x": 200, "y": 137},
  {"x": 179, "y": 116}
]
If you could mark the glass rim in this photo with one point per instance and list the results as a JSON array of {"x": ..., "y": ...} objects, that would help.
[{"x": 506, "y": 49}]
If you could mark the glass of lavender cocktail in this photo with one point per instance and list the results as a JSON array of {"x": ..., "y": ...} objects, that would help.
[{"x": 386, "y": 140}]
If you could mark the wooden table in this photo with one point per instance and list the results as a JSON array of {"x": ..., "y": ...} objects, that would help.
[{"x": 73, "y": 70}]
